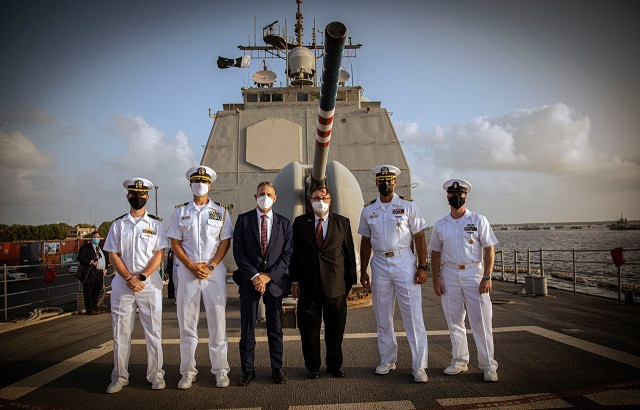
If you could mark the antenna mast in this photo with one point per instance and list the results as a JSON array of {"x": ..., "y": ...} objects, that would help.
[{"x": 299, "y": 23}]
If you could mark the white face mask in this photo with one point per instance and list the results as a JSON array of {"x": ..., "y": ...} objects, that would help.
[
  {"x": 199, "y": 188},
  {"x": 264, "y": 202},
  {"x": 320, "y": 207}
]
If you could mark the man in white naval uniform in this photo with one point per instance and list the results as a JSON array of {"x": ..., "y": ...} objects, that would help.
[
  {"x": 136, "y": 244},
  {"x": 388, "y": 226},
  {"x": 459, "y": 242},
  {"x": 200, "y": 232}
]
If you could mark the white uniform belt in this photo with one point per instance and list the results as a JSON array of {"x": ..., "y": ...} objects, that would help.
[
  {"x": 462, "y": 267},
  {"x": 390, "y": 254}
]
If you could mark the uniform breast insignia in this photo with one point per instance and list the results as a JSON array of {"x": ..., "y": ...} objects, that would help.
[
  {"x": 369, "y": 203},
  {"x": 181, "y": 205},
  {"x": 157, "y": 218},
  {"x": 471, "y": 228},
  {"x": 120, "y": 217},
  {"x": 398, "y": 211},
  {"x": 149, "y": 231},
  {"x": 228, "y": 207},
  {"x": 215, "y": 215},
  {"x": 373, "y": 215},
  {"x": 406, "y": 198},
  {"x": 185, "y": 217}
]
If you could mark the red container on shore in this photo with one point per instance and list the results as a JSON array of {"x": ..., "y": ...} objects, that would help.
[{"x": 9, "y": 253}]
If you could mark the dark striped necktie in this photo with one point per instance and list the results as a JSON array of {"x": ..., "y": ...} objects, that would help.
[
  {"x": 319, "y": 233},
  {"x": 263, "y": 235}
]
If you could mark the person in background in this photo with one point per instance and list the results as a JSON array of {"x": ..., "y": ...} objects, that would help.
[
  {"x": 462, "y": 254},
  {"x": 93, "y": 261},
  {"x": 136, "y": 244}
]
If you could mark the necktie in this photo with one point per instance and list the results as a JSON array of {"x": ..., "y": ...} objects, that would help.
[
  {"x": 263, "y": 235},
  {"x": 319, "y": 235}
]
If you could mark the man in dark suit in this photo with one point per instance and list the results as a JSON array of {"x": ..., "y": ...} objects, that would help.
[
  {"x": 322, "y": 271},
  {"x": 262, "y": 250},
  {"x": 93, "y": 262}
]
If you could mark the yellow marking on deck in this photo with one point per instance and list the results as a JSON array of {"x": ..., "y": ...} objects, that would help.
[{"x": 378, "y": 405}]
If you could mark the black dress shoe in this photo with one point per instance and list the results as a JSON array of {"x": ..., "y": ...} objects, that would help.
[
  {"x": 313, "y": 375},
  {"x": 246, "y": 378},
  {"x": 339, "y": 373},
  {"x": 278, "y": 376}
]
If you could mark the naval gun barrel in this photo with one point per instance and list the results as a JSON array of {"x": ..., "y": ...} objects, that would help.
[{"x": 334, "y": 38}]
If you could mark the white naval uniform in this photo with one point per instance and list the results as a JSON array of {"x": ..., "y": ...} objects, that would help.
[
  {"x": 136, "y": 242},
  {"x": 201, "y": 229},
  {"x": 461, "y": 242},
  {"x": 390, "y": 228}
]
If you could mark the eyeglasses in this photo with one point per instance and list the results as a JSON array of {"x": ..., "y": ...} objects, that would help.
[{"x": 321, "y": 198}]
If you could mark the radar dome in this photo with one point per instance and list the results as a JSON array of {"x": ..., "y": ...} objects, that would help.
[{"x": 302, "y": 66}]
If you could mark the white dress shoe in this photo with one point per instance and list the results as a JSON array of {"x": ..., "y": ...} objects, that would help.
[
  {"x": 158, "y": 384},
  {"x": 490, "y": 375},
  {"x": 222, "y": 380},
  {"x": 455, "y": 369},
  {"x": 420, "y": 376},
  {"x": 385, "y": 368},
  {"x": 116, "y": 386},
  {"x": 186, "y": 382}
]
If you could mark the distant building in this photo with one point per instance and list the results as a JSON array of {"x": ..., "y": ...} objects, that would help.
[{"x": 80, "y": 232}]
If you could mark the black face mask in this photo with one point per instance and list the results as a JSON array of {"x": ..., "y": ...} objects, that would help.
[
  {"x": 385, "y": 190},
  {"x": 137, "y": 202},
  {"x": 456, "y": 201}
]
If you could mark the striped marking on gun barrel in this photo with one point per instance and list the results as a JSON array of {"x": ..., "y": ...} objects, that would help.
[{"x": 324, "y": 126}]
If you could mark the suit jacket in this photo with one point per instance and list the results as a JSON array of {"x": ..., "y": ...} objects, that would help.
[
  {"x": 248, "y": 256},
  {"x": 329, "y": 271},
  {"x": 87, "y": 254}
]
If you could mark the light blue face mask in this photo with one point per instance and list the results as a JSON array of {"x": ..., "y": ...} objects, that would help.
[{"x": 95, "y": 241}]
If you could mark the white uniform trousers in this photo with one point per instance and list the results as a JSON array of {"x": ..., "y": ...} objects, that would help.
[
  {"x": 396, "y": 276},
  {"x": 460, "y": 289},
  {"x": 213, "y": 292},
  {"x": 124, "y": 302}
]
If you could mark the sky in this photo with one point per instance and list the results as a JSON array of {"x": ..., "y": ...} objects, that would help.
[{"x": 537, "y": 104}]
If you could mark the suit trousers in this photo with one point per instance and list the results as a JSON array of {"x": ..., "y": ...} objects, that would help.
[
  {"x": 124, "y": 302},
  {"x": 310, "y": 315},
  {"x": 395, "y": 276},
  {"x": 249, "y": 299},
  {"x": 460, "y": 289},
  {"x": 213, "y": 292},
  {"x": 91, "y": 290}
]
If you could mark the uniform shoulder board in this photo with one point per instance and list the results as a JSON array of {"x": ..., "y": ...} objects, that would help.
[
  {"x": 157, "y": 218},
  {"x": 228, "y": 207},
  {"x": 369, "y": 203},
  {"x": 120, "y": 217},
  {"x": 178, "y": 206},
  {"x": 406, "y": 198}
]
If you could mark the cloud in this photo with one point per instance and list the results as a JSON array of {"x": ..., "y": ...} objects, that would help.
[
  {"x": 25, "y": 115},
  {"x": 25, "y": 170},
  {"x": 552, "y": 139}
]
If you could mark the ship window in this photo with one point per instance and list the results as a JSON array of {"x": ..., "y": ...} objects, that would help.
[
  {"x": 251, "y": 97},
  {"x": 303, "y": 97},
  {"x": 314, "y": 96},
  {"x": 276, "y": 97},
  {"x": 265, "y": 97}
]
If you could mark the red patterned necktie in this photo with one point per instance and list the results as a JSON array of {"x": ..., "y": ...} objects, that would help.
[
  {"x": 319, "y": 235},
  {"x": 263, "y": 235}
]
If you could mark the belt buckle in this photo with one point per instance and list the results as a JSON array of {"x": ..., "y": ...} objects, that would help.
[
  {"x": 388, "y": 254},
  {"x": 461, "y": 267}
]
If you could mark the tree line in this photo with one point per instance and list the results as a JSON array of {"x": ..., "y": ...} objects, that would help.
[{"x": 47, "y": 232}]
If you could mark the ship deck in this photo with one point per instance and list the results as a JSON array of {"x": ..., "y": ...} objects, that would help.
[{"x": 559, "y": 350}]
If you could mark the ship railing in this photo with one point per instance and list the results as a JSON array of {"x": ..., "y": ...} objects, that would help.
[
  {"x": 23, "y": 295},
  {"x": 588, "y": 271}
]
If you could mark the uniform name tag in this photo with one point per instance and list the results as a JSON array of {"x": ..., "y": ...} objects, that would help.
[
  {"x": 149, "y": 231},
  {"x": 215, "y": 215},
  {"x": 471, "y": 228},
  {"x": 186, "y": 217}
]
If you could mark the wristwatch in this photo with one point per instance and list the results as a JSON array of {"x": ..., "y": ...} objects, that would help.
[
  {"x": 423, "y": 267},
  {"x": 142, "y": 277},
  {"x": 486, "y": 277},
  {"x": 211, "y": 267}
]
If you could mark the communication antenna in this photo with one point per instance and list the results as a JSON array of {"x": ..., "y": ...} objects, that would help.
[{"x": 264, "y": 77}]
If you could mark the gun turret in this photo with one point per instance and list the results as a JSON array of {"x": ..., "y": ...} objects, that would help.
[{"x": 335, "y": 35}]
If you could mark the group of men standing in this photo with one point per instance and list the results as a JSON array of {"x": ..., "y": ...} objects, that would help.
[{"x": 312, "y": 258}]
